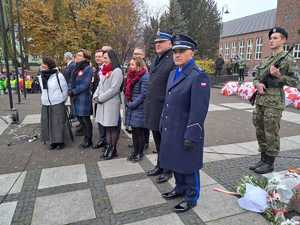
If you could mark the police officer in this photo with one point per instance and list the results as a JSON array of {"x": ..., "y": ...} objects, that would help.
[
  {"x": 159, "y": 72},
  {"x": 182, "y": 123},
  {"x": 269, "y": 82}
]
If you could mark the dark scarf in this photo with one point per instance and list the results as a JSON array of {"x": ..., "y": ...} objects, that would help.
[
  {"x": 132, "y": 78},
  {"x": 45, "y": 74},
  {"x": 80, "y": 66},
  {"x": 107, "y": 69}
]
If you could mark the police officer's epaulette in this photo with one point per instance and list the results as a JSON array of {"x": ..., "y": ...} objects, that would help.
[{"x": 198, "y": 69}]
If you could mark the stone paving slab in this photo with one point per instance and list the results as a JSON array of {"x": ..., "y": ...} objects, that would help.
[
  {"x": 32, "y": 119},
  {"x": 133, "y": 195},
  {"x": 8, "y": 180},
  {"x": 213, "y": 108},
  {"x": 286, "y": 144},
  {"x": 170, "y": 219},
  {"x": 238, "y": 105},
  {"x": 290, "y": 116},
  {"x": 63, "y": 208},
  {"x": 210, "y": 157},
  {"x": 294, "y": 138},
  {"x": 234, "y": 149},
  {"x": 119, "y": 167},
  {"x": 4, "y": 123},
  {"x": 214, "y": 205},
  {"x": 64, "y": 175},
  {"x": 241, "y": 219},
  {"x": 6, "y": 212}
]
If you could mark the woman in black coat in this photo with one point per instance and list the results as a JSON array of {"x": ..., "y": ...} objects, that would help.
[{"x": 135, "y": 93}]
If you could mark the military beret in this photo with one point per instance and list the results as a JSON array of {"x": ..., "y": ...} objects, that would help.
[
  {"x": 163, "y": 36},
  {"x": 181, "y": 41},
  {"x": 278, "y": 30}
]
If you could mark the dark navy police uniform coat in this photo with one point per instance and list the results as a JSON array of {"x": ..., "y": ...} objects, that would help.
[{"x": 184, "y": 112}]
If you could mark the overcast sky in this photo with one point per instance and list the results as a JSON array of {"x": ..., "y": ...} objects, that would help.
[{"x": 237, "y": 8}]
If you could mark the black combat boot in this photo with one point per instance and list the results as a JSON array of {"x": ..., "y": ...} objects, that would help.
[
  {"x": 259, "y": 163},
  {"x": 267, "y": 166},
  {"x": 112, "y": 153},
  {"x": 106, "y": 151}
]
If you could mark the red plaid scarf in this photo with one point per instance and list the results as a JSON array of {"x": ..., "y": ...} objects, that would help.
[{"x": 132, "y": 78}]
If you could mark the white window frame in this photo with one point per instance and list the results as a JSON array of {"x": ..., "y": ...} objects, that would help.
[
  {"x": 227, "y": 50},
  {"x": 241, "y": 49},
  {"x": 296, "y": 51},
  {"x": 286, "y": 48},
  {"x": 258, "y": 48},
  {"x": 221, "y": 49},
  {"x": 249, "y": 49},
  {"x": 233, "y": 49}
]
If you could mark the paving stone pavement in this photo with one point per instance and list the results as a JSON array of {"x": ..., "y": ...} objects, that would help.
[{"x": 78, "y": 189}]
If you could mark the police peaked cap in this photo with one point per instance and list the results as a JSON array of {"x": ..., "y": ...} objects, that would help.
[
  {"x": 278, "y": 30},
  {"x": 163, "y": 36},
  {"x": 181, "y": 41}
]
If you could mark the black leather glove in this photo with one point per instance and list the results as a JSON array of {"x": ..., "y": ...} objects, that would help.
[
  {"x": 70, "y": 93},
  {"x": 188, "y": 145}
]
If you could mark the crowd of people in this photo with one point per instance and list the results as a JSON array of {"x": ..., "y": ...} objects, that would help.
[{"x": 170, "y": 98}]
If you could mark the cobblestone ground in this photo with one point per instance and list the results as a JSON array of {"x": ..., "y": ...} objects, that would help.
[{"x": 76, "y": 187}]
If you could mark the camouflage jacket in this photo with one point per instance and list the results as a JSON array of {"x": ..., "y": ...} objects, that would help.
[{"x": 274, "y": 96}]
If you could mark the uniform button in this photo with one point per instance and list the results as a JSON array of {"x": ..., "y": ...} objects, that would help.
[
  {"x": 165, "y": 129},
  {"x": 166, "y": 117},
  {"x": 169, "y": 92},
  {"x": 167, "y": 105}
]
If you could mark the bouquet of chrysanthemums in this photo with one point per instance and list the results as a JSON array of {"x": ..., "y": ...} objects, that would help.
[{"x": 275, "y": 196}]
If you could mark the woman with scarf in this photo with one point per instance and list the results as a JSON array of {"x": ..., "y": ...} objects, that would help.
[
  {"x": 135, "y": 93},
  {"x": 108, "y": 100},
  {"x": 54, "y": 93},
  {"x": 81, "y": 96}
]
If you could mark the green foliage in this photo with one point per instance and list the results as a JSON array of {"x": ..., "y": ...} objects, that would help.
[{"x": 207, "y": 65}]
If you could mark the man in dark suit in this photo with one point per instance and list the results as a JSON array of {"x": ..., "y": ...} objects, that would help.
[
  {"x": 159, "y": 73},
  {"x": 182, "y": 124}
]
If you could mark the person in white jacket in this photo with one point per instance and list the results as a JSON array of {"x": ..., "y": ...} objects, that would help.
[{"x": 54, "y": 94}]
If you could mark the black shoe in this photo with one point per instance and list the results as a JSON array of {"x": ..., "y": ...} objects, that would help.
[
  {"x": 106, "y": 151},
  {"x": 52, "y": 146},
  {"x": 183, "y": 206},
  {"x": 267, "y": 166},
  {"x": 85, "y": 145},
  {"x": 154, "y": 172},
  {"x": 60, "y": 146},
  {"x": 171, "y": 195},
  {"x": 259, "y": 163},
  {"x": 164, "y": 178},
  {"x": 111, "y": 154},
  {"x": 154, "y": 151},
  {"x": 100, "y": 144},
  {"x": 137, "y": 158}
]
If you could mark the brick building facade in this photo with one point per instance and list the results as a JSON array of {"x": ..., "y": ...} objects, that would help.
[{"x": 247, "y": 37}]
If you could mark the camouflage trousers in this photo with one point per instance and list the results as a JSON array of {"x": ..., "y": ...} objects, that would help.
[{"x": 267, "y": 124}]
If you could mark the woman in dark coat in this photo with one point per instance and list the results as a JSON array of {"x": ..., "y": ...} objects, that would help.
[
  {"x": 81, "y": 96},
  {"x": 135, "y": 92}
]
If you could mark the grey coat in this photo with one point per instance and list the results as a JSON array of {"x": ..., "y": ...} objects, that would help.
[{"x": 108, "y": 97}]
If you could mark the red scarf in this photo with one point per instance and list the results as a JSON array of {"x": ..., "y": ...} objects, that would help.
[
  {"x": 132, "y": 78},
  {"x": 106, "y": 70}
]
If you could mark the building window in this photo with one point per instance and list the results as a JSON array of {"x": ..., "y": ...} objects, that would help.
[
  {"x": 221, "y": 49},
  {"x": 233, "y": 49},
  {"x": 258, "y": 48},
  {"x": 227, "y": 51},
  {"x": 297, "y": 51},
  {"x": 286, "y": 48},
  {"x": 249, "y": 49},
  {"x": 241, "y": 49}
]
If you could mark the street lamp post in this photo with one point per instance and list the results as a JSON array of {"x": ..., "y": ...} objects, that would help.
[
  {"x": 12, "y": 30},
  {"x": 5, "y": 53},
  {"x": 20, "y": 33}
]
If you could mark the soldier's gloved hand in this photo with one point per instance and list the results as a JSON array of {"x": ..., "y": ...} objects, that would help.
[{"x": 188, "y": 145}]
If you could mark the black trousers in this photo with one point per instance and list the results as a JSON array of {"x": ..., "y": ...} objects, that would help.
[
  {"x": 241, "y": 74},
  {"x": 138, "y": 139},
  {"x": 147, "y": 135},
  {"x": 102, "y": 133},
  {"x": 157, "y": 141},
  {"x": 87, "y": 127}
]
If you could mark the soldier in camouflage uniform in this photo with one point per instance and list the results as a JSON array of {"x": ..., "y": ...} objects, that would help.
[{"x": 269, "y": 82}]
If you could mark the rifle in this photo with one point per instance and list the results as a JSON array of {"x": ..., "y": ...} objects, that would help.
[{"x": 264, "y": 80}]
